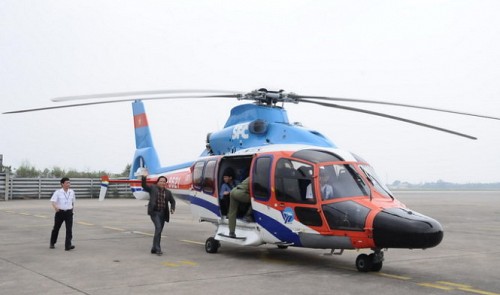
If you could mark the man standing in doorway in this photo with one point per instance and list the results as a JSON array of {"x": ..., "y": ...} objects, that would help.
[{"x": 63, "y": 202}]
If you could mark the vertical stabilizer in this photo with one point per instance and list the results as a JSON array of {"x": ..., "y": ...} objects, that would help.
[{"x": 145, "y": 154}]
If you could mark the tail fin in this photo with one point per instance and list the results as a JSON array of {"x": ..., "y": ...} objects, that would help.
[
  {"x": 104, "y": 187},
  {"x": 145, "y": 154}
]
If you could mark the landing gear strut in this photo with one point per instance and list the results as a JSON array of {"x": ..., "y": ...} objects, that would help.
[{"x": 372, "y": 262}]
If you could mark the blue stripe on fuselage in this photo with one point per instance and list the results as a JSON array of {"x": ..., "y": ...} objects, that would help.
[
  {"x": 277, "y": 229},
  {"x": 274, "y": 227},
  {"x": 205, "y": 204}
]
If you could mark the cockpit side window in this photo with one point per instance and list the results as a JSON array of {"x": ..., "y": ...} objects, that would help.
[
  {"x": 375, "y": 181},
  {"x": 292, "y": 179},
  {"x": 341, "y": 181}
]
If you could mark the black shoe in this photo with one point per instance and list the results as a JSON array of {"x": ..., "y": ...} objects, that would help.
[
  {"x": 153, "y": 251},
  {"x": 70, "y": 248},
  {"x": 232, "y": 235},
  {"x": 51, "y": 246}
]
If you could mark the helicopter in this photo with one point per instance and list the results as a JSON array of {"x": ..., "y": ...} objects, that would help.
[{"x": 285, "y": 164}]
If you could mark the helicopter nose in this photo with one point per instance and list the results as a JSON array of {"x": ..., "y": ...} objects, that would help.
[{"x": 402, "y": 228}]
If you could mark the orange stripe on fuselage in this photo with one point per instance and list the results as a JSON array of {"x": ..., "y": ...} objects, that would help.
[{"x": 140, "y": 120}]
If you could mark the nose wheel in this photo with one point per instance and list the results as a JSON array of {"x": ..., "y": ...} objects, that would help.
[{"x": 372, "y": 262}]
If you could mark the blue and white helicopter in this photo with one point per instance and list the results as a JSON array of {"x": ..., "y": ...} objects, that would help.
[{"x": 285, "y": 163}]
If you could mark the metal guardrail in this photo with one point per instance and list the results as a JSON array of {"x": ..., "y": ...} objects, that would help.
[{"x": 12, "y": 188}]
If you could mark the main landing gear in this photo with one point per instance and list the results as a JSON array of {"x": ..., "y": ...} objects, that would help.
[
  {"x": 372, "y": 262},
  {"x": 212, "y": 245}
]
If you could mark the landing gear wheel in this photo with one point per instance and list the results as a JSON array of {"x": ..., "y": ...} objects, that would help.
[
  {"x": 363, "y": 263},
  {"x": 282, "y": 246},
  {"x": 376, "y": 266},
  {"x": 212, "y": 245}
]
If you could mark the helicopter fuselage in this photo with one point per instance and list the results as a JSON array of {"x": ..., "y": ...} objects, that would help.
[{"x": 290, "y": 208}]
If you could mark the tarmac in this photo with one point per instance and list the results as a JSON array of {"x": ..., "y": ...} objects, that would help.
[{"x": 113, "y": 240}]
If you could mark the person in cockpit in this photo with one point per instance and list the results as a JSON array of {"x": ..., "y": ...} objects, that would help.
[{"x": 326, "y": 187}]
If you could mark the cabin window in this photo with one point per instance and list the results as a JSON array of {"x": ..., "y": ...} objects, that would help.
[
  {"x": 209, "y": 178},
  {"x": 198, "y": 175},
  {"x": 260, "y": 178},
  {"x": 292, "y": 179},
  {"x": 346, "y": 215}
]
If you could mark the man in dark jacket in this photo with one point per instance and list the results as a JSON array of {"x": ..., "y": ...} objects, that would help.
[{"x": 158, "y": 209}]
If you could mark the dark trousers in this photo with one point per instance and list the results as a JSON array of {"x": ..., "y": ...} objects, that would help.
[
  {"x": 158, "y": 218},
  {"x": 59, "y": 218},
  {"x": 224, "y": 205}
]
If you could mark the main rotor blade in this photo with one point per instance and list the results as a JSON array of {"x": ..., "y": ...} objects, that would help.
[
  {"x": 116, "y": 101},
  {"x": 300, "y": 97},
  {"x": 138, "y": 93},
  {"x": 388, "y": 116}
]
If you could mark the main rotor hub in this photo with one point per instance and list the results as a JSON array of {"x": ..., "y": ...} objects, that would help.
[{"x": 270, "y": 98}]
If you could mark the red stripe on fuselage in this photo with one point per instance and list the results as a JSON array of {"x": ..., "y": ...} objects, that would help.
[{"x": 140, "y": 120}]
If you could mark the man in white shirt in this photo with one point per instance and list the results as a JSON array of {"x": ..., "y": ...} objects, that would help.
[{"x": 63, "y": 201}]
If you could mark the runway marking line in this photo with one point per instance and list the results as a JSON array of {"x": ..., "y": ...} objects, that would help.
[
  {"x": 170, "y": 264},
  {"x": 436, "y": 286},
  {"x": 394, "y": 276},
  {"x": 192, "y": 242},
  {"x": 449, "y": 286},
  {"x": 84, "y": 223},
  {"x": 179, "y": 263},
  {"x": 454, "y": 284},
  {"x": 142, "y": 233},
  {"x": 188, "y": 262},
  {"x": 114, "y": 228}
]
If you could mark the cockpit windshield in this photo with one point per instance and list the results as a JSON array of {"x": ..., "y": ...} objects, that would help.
[
  {"x": 339, "y": 181},
  {"x": 375, "y": 181}
]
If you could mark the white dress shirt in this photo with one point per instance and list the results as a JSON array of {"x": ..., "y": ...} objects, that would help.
[{"x": 64, "y": 199}]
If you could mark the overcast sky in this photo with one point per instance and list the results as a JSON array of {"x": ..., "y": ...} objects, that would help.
[{"x": 442, "y": 54}]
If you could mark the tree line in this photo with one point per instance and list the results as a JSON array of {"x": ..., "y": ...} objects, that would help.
[
  {"x": 27, "y": 170},
  {"x": 443, "y": 185}
]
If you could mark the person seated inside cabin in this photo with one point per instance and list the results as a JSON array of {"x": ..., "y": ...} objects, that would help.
[
  {"x": 225, "y": 190},
  {"x": 326, "y": 187}
]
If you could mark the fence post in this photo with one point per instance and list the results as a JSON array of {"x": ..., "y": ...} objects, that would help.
[
  {"x": 91, "y": 188},
  {"x": 39, "y": 187},
  {"x": 7, "y": 180}
]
